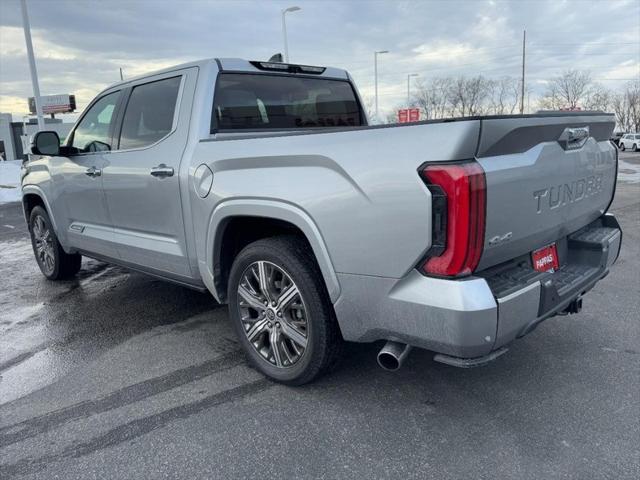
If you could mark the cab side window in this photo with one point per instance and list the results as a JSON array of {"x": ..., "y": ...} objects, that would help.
[
  {"x": 93, "y": 133},
  {"x": 149, "y": 113}
]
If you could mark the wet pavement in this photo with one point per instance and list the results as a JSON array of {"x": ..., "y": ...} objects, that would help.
[{"x": 118, "y": 375}]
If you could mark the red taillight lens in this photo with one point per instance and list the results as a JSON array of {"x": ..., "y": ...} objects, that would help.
[{"x": 464, "y": 187}]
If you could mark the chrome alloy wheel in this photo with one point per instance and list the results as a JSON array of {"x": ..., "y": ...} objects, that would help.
[
  {"x": 273, "y": 314},
  {"x": 44, "y": 245}
]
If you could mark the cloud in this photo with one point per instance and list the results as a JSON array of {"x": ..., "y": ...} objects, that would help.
[
  {"x": 81, "y": 45},
  {"x": 439, "y": 52},
  {"x": 625, "y": 70}
]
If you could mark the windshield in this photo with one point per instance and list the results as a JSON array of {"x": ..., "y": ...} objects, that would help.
[{"x": 259, "y": 101}]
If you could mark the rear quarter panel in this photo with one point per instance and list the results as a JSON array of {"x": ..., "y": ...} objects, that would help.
[{"x": 360, "y": 188}]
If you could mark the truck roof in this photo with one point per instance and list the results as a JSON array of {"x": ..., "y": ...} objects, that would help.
[{"x": 235, "y": 65}]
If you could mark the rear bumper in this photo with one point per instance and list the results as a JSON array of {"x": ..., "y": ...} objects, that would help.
[{"x": 469, "y": 320}]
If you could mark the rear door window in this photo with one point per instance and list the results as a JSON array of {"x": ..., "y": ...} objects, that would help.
[
  {"x": 268, "y": 102},
  {"x": 149, "y": 114}
]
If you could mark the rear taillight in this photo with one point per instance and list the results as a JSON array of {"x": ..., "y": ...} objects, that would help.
[{"x": 458, "y": 214}]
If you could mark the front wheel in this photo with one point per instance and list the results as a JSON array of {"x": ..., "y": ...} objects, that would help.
[
  {"x": 622, "y": 147},
  {"x": 281, "y": 310},
  {"x": 54, "y": 262}
]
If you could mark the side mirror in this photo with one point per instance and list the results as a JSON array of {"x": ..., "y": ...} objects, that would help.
[{"x": 45, "y": 143}]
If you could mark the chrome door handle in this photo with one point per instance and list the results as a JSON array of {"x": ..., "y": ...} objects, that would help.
[
  {"x": 162, "y": 171},
  {"x": 93, "y": 172}
]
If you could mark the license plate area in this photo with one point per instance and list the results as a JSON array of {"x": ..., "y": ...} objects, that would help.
[{"x": 545, "y": 259}]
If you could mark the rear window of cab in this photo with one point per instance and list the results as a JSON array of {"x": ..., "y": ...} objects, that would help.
[{"x": 281, "y": 102}]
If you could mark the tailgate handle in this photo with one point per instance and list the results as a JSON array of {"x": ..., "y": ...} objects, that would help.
[{"x": 574, "y": 137}]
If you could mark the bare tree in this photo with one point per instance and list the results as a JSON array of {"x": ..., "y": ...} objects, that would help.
[
  {"x": 626, "y": 106},
  {"x": 568, "y": 90},
  {"x": 598, "y": 98},
  {"x": 433, "y": 98},
  {"x": 621, "y": 109},
  {"x": 632, "y": 93},
  {"x": 504, "y": 95},
  {"x": 392, "y": 117},
  {"x": 445, "y": 97},
  {"x": 368, "y": 106},
  {"x": 468, "y": 95}
]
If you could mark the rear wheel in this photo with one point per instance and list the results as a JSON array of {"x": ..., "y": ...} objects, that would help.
[
  {"x": 54, "y": 262},
  {"x": 635, "y": 147},
  {"x": 281, "y": 311}
]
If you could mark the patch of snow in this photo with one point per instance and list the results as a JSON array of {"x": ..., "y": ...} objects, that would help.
[
  {"x": 13, "y": 251},
  {"x": 10, "y": 181}
]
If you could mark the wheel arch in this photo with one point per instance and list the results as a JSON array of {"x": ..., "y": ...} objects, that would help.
[
  {"x": 229, "y": 220},
  {"x": 33, "y": 196}
]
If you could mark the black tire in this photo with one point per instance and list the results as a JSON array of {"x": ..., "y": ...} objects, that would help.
[
  {"x": 634, "y": 148},
  {"x": 58, "y": 265},
  {"x": 324, "y": 343},
  {"x": 622, "y": 147}
]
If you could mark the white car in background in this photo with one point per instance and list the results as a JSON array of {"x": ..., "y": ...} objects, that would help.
[{"x": 631, "y": 141}]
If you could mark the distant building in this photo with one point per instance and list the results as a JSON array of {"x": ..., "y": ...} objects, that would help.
[{"x": 14, "y": 136}]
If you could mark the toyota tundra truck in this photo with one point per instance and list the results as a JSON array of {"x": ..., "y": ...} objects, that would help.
[{"x": 262, "y": 183}]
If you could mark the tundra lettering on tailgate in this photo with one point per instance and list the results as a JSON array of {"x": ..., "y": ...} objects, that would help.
[{"x": 566, "y": 193}]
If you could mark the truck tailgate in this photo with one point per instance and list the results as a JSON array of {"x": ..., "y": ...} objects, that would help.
[{"x": 546, "y": 175}]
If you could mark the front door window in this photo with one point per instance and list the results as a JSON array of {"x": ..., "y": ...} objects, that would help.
[{"x": 93, "y": 133}]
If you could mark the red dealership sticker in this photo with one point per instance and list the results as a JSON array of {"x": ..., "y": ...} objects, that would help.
[{"x": 545, "y": 259}]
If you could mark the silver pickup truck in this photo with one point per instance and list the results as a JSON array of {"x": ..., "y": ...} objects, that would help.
[{"x": 262, "y": 183}]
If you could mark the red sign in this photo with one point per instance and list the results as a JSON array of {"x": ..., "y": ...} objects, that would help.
[
  {"x": 545, "y": 259},
  {"x": 406, "y": 115}
]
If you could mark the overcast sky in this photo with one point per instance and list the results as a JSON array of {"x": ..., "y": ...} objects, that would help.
[{"x": 81, "y": 44}]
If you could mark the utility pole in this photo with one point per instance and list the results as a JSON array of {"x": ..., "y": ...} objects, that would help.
[
  {"x": 121, "y": 76},
  {"x": 524, "y": 40},
  {"x": 375, "y": 75},
  {"x": 32, "y": 64}
]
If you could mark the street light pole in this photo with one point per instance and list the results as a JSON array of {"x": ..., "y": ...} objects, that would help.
[
  {"x": 284, "y": 31},
  {"x": 375, "y": 75},
  {"x": 32, "y": 64},
  {"x": 524, "y": 41},
  {"x": 409, "y": 88}
]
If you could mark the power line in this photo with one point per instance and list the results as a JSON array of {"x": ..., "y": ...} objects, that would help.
[
  {"x": 400, "y": 93},
  {"x": 505, "y": 67},
  {"x": 582, "y": 44},
  {"x": 398, "y": 75}
]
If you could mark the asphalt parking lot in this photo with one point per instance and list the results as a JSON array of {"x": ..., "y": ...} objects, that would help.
[{"x": 118, "y": 375}]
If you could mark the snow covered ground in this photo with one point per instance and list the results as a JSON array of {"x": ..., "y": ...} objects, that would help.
[{"x": 10, "y": 181}]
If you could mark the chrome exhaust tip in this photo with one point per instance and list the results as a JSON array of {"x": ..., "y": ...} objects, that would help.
[{"x": 392, "y": 355}]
